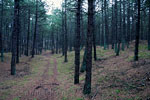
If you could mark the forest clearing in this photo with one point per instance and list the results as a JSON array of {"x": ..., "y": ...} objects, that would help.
[
  {"x": 74, "y": 49},
  {"x": 47, "y": 77}
]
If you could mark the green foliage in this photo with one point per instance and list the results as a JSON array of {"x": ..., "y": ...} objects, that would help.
[
  {"x": 17, "y": 98},
  {"x": 64, "y": 98},
  {"x": 117, "y": 91},
  {"x": 79, "y": 99},
  {"x": 147, "y": 3}
]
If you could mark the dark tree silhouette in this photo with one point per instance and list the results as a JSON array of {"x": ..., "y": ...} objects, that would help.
[
  {"x": 28, "y": 35},
  {"x": 35, "y": 29},
  {"x": 137, "y": 33},
  {"x": 14, "y": 37},
  {"x": 1, "y": 30},
  {"x": 77, "y": 44},
  {"x": 149, "y": 30},
  {"x": 87, "y": 85},
  {"x": 66, "y": 34}
]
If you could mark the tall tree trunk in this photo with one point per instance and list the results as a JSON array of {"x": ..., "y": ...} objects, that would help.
[
  {"x": 94, "y": 38},
  {"x": 57, "y": 42},
  {"x": 112, "y": 27},
  {"x": 53, "y": 43},
  {"x": 66, "y": 34},
  {"x": 18, "y": 35},
  {"x": 94, "y": 46},
  {"x": 102, "y": 37},
  {"x": 62, "y": 35},
  {"x": 116, "y": 26},
  {"x": 35, "y": 30},
  {"x": 128, "y": 25},
  {"x": 120, "y": 31},
  {"x": 137, "y": 33},
  {"x": 1, "y": 30},
  {"x": 106, "y": 25},
  {"x": 149, "y": 31},
  {"x": 28, "y": 35},
  {"x": 77, "y": 44},
  {"x": 14, "y": 37},
  {"x": 87, "y": 85},
  {"x": 124, "y": 26}
]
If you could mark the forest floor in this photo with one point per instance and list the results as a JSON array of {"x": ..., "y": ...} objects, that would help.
[{"x": 47, "y": 77}]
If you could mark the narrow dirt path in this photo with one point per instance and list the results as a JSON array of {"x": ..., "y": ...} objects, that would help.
[{"x": 44, "y": 88}]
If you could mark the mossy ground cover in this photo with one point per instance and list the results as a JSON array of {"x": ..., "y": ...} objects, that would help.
[
  {"x": 113, "y": 78},
  {"x": 105, "y": 77},
  {"x": 13, "y": 84}
]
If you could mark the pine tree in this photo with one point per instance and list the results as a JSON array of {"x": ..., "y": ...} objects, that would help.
[{"x": 87, "y": 85}]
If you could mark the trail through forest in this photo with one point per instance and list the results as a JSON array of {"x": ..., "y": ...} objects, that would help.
[{"x": 43, "y": 88}]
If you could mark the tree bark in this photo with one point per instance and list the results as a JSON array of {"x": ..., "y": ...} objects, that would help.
[
  {"x": 112, "y": 27},
  {"x": 77, "y": 44},
  {"x": 18, "y": 35},
  {"x": 28, "y": 35},
  {"x": 66, "y": 34},
  {"x": 1, "y": 34},
  {"x": 137, "y": 33},
  {"x": 14, "y": 37},
  {"x": 149, "y": 31},
  {"x": 35, "y": 30},
  {"x": 116, "y": 26},
  {"x": 87, "y": 85},
  {"x": 120, "y": 31},
  {"x": 124, "y": 26},
  {"x": 128, "y": 25}
]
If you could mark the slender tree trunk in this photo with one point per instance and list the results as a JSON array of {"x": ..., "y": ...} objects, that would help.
[
  {"x": 112, "y": 27},
  {"x": 1, "y": 35},
  {"x": 66, "y": 34},
  {"x": 57, "y": 42},
  {"x": 35, "y": 30},
  {"x": 133, "y": 23},
  {"x": 94, "y": 38},
  {"x": 14, "y": 37},
  {"x": 120, "y": 31},
  {"x": 102, "y": 37},
  {"x": 94, "y": 46},
  {"x": 18, "y": 35},
  {"x": 128, "y": 25},
  {"x": 52, "y": 39},
  {"x": 62, "y": 35},
  {"x": 116, "y": 25},
  {"x": 28, "y": 35},
  {"x": 87, "y": 85},
  {"x": 77, "y": 44},
  {"x": 124, "y": 26},
  {"x": 149, "y": 31},
  {"x": 137, "y": 33},
  {"x": 106, "y": 25}
]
